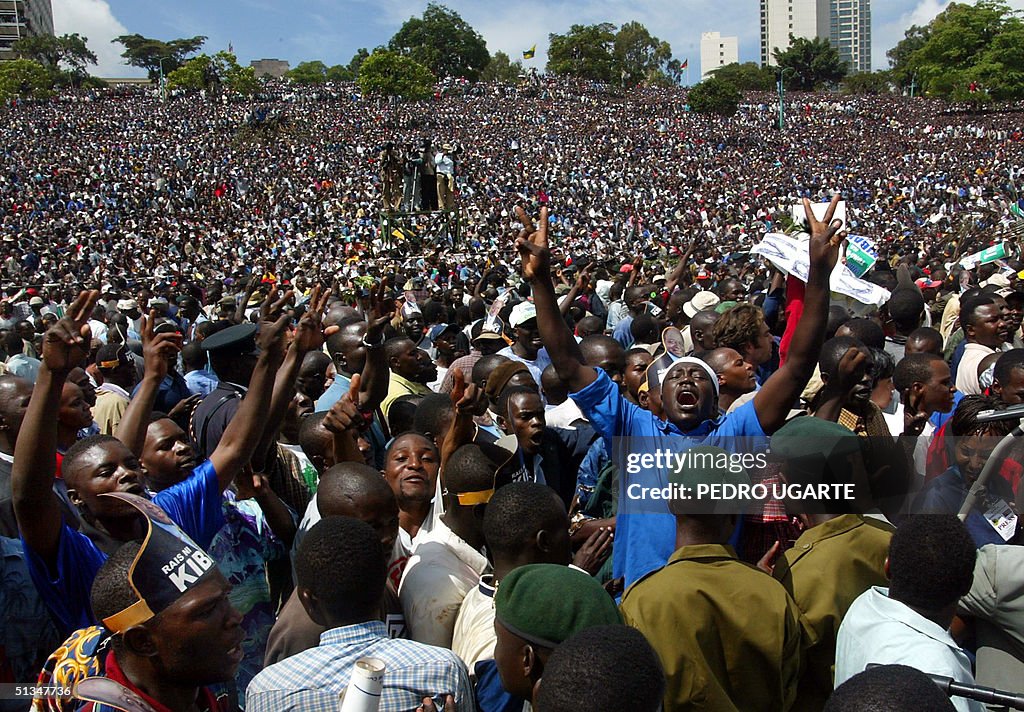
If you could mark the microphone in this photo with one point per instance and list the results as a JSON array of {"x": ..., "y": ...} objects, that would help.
[
  {"x": 987, "y": 695},
  {"x": 1014, "y": 412}
]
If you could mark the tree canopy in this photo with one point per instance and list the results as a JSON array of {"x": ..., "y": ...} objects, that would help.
[
  {"x": 219, "y": 71},
  {"x": 585, "y": 51},
  {"x": 714, "y": 96},
  {"x": 442, "y": 42},
  {"x": 627, "y": 55},
  {"x": 24, "y": 79},
  {"x": 146, "y": 53},
  {"x": 392, "y": 74},
  {"x": 71, "y": 51},
  {"x": 967, "y": 53},
  {"x": 307, "y": 73},
  {"x": 746, "y": 77},
  {"x": 812, "y": 63},
  {"x": 639, "y": 56},
  {"x": 501, "y": 68}
]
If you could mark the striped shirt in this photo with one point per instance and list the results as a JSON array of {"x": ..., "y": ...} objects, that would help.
[{"x": 311, "y": 681}]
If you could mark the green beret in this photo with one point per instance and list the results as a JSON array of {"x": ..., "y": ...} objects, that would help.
[
  {"x": 815, "y": 446},
  {"x": 723, "y": 307},
  {"x": 545, "y": 604}
]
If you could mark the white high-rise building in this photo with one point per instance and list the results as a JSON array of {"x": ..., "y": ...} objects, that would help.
[
  {"x": 23, "y": 18},
  {"x": 846, "y": 24},
  {"x": 850, "y": 33},
  {"x": 717, "y": 51}
]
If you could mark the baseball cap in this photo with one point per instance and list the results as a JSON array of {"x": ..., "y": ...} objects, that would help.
[
  {"x": 522, "y": 313},
  {"x": 700, "y": 302},
  {"x": 36, "y": 302},
  {"x": 490, "y": 328},
  {"x": 925, "y": 283},
  {"x": 127, "y": 305},
  {"x": 168, "y": 565}
]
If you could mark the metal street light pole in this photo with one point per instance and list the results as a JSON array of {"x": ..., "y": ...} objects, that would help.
[
  {"x": 163, "y": 88},
  {"x": 782, "y": 96}
]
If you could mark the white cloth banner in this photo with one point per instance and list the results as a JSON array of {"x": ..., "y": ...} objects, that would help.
[{"x": 790, "y": 254}]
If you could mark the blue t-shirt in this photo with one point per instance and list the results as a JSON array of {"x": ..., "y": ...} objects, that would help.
[
  {"x": 193, "y": 504},
  {"x": 645, "y": 534}
]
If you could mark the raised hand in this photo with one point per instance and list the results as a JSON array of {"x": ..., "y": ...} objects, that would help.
[
  {"x": 382, "y": 311},
  {"x": 273, "y": 324},
  {"x": 467, "y": 398},
  {"x": 66, "y": 343},
  {"x": 157, "y": 348},
  {"x": 309, "y": 334},
  {"x": 851, "y": 370},
  {"x": 532, "y": 245},
  {"x": 345, "y": 416},
  {"x": 826, "y": 242},
  {"x": 914, "y": 418}
]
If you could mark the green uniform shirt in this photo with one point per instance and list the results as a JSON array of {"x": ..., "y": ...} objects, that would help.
[
  {"x": 729, "y": 637},
  {"x": 827, "y": 568}
]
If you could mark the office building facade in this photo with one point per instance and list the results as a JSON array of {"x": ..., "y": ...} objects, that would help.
[
  {"x": 846, "y": 24},
  {"x": 23, "y": 18},
  {"x": 716, "y": 51}
]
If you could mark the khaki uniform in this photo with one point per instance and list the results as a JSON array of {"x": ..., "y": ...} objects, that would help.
[
  {"x": 826, "y": 570},
  {"x": 728, "y": 636}
]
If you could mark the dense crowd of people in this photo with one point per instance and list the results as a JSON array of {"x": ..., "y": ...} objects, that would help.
[{"x": 308, "y": 378}]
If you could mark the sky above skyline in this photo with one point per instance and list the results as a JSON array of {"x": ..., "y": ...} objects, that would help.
[{"x": 332, "y": 30}]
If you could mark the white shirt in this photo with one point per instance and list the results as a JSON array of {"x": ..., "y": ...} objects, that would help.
[
  {"x": 441, "y": 571},
  {"x": 564, "y": 415},
  {"x": 878, "y": 629},
  {"x": 474, "y": 636},
  {"x": 967, "y": 372}
]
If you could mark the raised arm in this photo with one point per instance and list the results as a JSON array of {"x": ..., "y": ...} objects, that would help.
[
  {"x": 680, "y": 269},
  {"x": 156, "y": 348},
  {"x": 775, "y": 399},
  {"x": 36, "y": 508},
  {"x": 308, "y": 337},
  {"x": 374, "y": 383},
  {"x": 578, "y": 288},
  {"x": 468, "y": 401},
  {"x": 532, "y": 245},
  {"x": 243, "y": 432}
]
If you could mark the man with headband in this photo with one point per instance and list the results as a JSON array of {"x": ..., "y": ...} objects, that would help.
[
  {"x": 689, "y": 398},
  {"x": 168, "y": 629}
]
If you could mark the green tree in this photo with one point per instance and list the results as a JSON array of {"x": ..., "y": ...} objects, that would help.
[
  {"x": 193, "y": 75},
  {"x": 639, "y": 56},
  {"x": 442, "y": 42},
  {"x": 339, "y": 73},
  {"x": 899, "y": 56},
  {"x": 24, "y": 79},
  {"x": 746, "y": 77},
  {"x": 219, "y": 71},
  {"x": 971, "y": 53},
  {"x": 239, "y": 79},
  {"x": 868, "y": 82},
  {"x": 308, "y": 73},
  {"x": 714, "y": 96},
  {"x": 392, "y": 74},
  {"x": 674, "y": 71},
  {"x": 502, "y": 69},
  {"x": 146, "y": 53},
  {"x": 361, "y": 55},
  {"x": 71, "y": 51},
  {"x": 813, "y": 63},
  {"x": 585, "y": 51}
]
